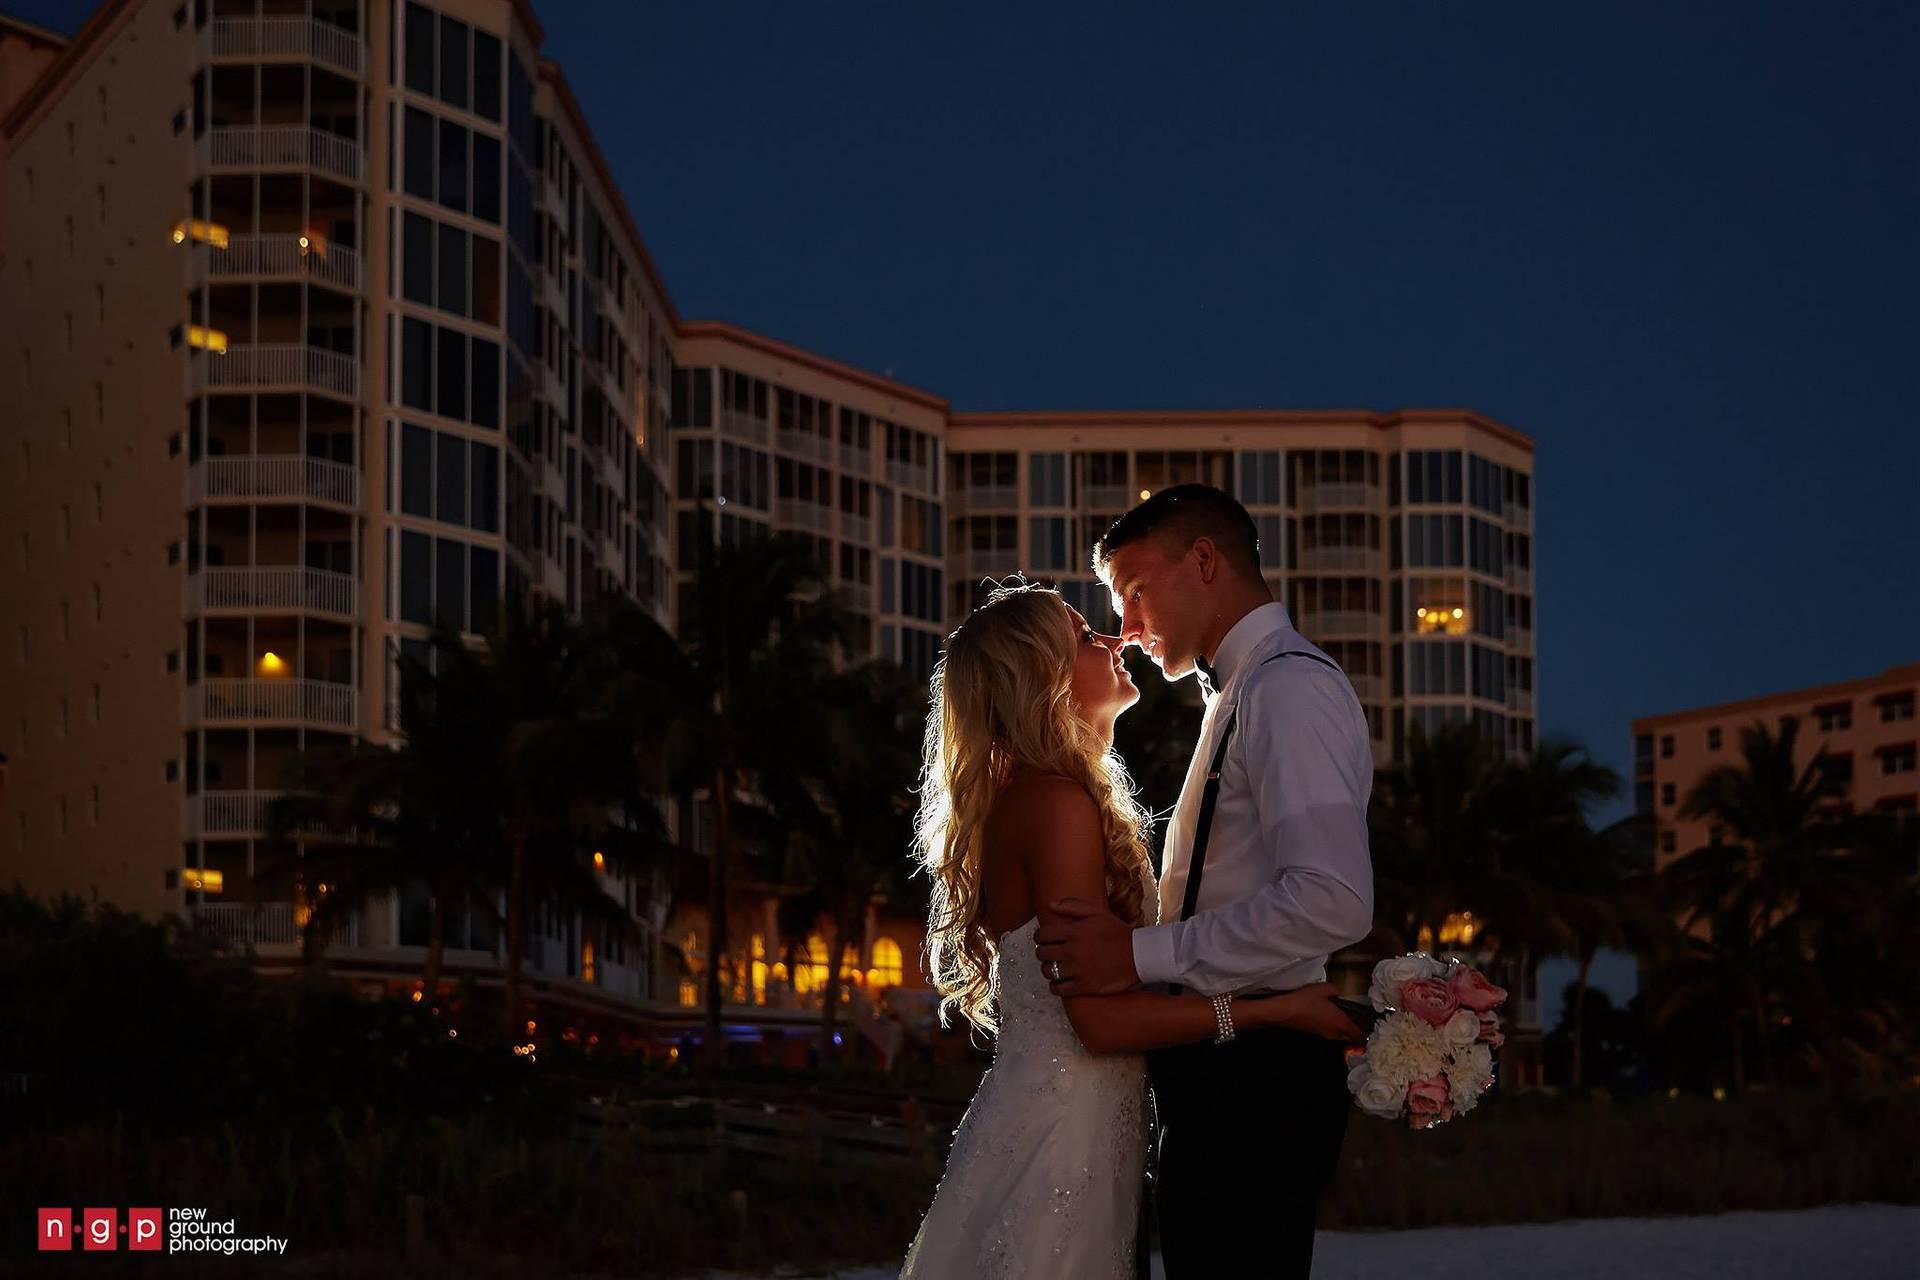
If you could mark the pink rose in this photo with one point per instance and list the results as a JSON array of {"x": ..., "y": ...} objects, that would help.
[
  {"x": 1429, "y": 1101},
  {"x": 1429, "y": 999},
  {"x": 1490, "y": 1034},
  {"x": 1471, "y": 989}
]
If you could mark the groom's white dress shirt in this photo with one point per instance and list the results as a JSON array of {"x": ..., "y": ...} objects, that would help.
[{"x": 1288, "y": 878}]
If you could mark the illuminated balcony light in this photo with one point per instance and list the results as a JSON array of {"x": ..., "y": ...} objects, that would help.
[
  {"x": 214, "y": 340},
  {"x": 200, "y": 231},
  {"x": 1145, "y": 494},
  {"x": 210, "y": 880},
  {"x": 599, "y": 861},
  {"x": 271, "y": 664}
]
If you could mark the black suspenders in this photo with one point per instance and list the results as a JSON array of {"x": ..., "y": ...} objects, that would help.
[{"x": 1203, "y": 822}]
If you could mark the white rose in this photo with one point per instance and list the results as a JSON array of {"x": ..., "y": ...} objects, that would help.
[
  {"x": 1462, "y": 1029},
  {"x": 1375, "y": 1096},
  {"x": 1384, "y": 990}
]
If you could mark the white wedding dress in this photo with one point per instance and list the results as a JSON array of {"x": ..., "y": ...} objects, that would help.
[{"x": 1045, "y": 1175}]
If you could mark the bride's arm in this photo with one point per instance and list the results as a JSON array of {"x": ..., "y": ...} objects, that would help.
[{"x": 1056, "y": 829}]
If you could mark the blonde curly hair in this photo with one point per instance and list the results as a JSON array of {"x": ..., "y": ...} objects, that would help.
[{"x": 1001, "y": 700}]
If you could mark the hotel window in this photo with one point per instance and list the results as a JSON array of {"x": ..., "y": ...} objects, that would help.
[
  {"x": 1713, "y": 738},
  {"x": 1261, "y": 479},
  {"x": 1666, "y": 793},
  {"x": 1835, "y": 717},
  {"x": 1898, "y": 706},
  {"x": 1047, "y": 480},
  {"x": 1669, "y": 841},
  {"x": 1666, "y": 746},
  {"x": 1897, "y": 759}
]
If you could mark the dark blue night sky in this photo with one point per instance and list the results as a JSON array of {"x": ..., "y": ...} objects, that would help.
[{"x": 1676, "y": 249}]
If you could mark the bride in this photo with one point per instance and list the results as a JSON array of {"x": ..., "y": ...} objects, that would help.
[{"x": 1022, "y": 803}]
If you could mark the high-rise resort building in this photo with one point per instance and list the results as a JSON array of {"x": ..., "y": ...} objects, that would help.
[
  {"x": 1861, "y": 734},
  {"x": 323, "y": 321}
]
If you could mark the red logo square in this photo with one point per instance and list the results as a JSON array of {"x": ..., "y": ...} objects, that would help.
[
  {"x": 102, "y": 1227},
  {"x": 143, "y": 1230},
  {"x": 56, "y": 1230}
]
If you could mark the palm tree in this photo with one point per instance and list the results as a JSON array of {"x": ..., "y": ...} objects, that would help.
[
  {"x": 741, "y": 699},
  {"x": 1782, "y": 865},
  {"x": 1435, "y": 829},
  {"x": 850, "y": 825},
  {"x": 520, "y": 759}
]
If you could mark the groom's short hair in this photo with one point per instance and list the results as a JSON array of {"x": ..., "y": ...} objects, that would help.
[{"x": 1180, "y": 514}]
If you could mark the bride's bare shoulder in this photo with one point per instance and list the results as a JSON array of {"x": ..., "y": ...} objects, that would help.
[{"x": 1043, "y": 811}]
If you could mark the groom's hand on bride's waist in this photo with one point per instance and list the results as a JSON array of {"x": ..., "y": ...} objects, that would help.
[{"x": 1092, "y": 947}]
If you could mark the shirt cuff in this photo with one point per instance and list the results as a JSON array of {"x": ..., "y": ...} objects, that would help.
[{"x": 1153, "y": 953}]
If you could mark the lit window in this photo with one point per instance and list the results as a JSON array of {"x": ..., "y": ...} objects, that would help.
[
  {"x": 888, "y": 969},
  {"x": 200, "y": 231}
]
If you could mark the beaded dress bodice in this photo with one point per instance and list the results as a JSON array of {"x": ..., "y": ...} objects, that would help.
[{"x": 1045, "y": 1174}]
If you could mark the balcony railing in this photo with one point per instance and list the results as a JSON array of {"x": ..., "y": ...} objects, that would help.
[
  {"x": 1338, "y": 623},
  {"x": 744, "y": 425},
  {"x": 1319, "y": 497},
  {"x": 807, "y": 445},
  {"x": 265, "y": 924},
  {"x": 1105, "y": 497},
  {"x": 228, "y": 813},
  {"x": 272, "y": 587},
  {"x": 247, "y": 924},
  {"x": 1521, "y": 579},
  {"x": 317, "y": 702},
  {"x": 273, "y": 365},
  {"x": 281, "y": 145},
  {"x": 1520, "y": 699},
  {"x": 804, "y": 515},
  {"x": 905, "y": 473},
  {"x": 1341, "y": 560},
  {"x": 286, "y": 37},
  {"x": 855, "y": 528},
  {"x": 857, "y": 596},
  {"x": 289, "y": 476},
  {"x": 279, "y": 255},
  {"x": 1520, "y": 638},
  {"x": 997, "y": 497},
  {"x": 1367, "y": 688},
  {"x": 855, "y": 460},
  {"x": 998, "y": 560}
]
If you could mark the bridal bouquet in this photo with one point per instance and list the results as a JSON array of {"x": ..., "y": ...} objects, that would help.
[{"x": 1430, "y": 1054}]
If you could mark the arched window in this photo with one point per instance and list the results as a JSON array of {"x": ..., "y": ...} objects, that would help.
[
  {"x": 888, "y": 969},
  {"x": 810, "y": 965}
]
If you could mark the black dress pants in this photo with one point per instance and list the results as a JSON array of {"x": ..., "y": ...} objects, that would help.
[{"x": 1250, "y": 1134}]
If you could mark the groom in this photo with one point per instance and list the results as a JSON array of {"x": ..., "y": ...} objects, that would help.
[{"x": 1264, "y": 873}]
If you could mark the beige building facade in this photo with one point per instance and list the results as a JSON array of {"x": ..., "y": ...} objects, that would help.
[
  {"x": 320, "y": 322},
  {"x": 1862, "y": 734}
]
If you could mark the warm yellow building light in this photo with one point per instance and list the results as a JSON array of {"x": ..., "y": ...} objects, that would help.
[
  {"x": 1145, "y": 494},
  {"x": 201, "y": 231},
  {"x": 1459, "y": 613},
  {"x": 888, "y": 964},
  {"x": 1459, "y": 929},
  {"x": 271, "y": 664},
  {"x": 206, "y": 339},
  {"x": 599, "y": 860},
  {"x": 208, "y": 880}
]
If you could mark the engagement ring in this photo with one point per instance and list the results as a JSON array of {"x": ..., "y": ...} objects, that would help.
[{"x": 1053, "y": 970}]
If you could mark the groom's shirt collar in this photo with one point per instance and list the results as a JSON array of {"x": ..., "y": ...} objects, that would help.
[{"x": 1243, "y": 637}]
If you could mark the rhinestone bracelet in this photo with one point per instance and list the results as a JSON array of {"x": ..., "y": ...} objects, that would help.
[{"x": 1223, "y": 1018}]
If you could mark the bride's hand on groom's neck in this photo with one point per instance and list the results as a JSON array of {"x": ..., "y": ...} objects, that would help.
[{"x": 1092, "y": 946}]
